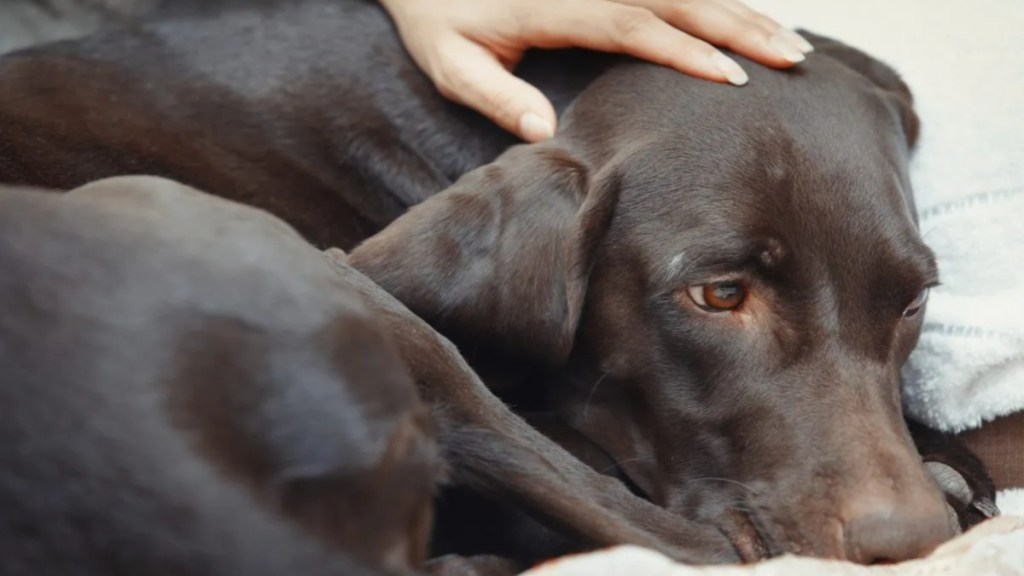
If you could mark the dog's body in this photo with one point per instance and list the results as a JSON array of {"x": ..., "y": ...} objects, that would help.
[
  {"x": 577, "y": 257},
  {"x": 178, "y": 401},
  {"x": 296, "y": 133},
  {"x": 190, "y": 388}
]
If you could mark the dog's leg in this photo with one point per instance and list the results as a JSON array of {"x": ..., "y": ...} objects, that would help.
[
  {"x": 473, "y": 566},
  {"x": 970, "y": 492},
  {"x": 494, "y": 452}
]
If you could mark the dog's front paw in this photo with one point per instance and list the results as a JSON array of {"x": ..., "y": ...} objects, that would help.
[
  {"x": 970, "y": 492},
  {"x": 966, "y": 502},
  {"x": 453, "y": 565}
]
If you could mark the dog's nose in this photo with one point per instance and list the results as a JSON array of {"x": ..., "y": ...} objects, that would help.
[{"x": 892, "y": 530}]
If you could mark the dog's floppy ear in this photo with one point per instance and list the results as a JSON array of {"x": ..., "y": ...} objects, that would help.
[
  {"x": 887, "y": 79},
  {"x": 502, "y": 258}
]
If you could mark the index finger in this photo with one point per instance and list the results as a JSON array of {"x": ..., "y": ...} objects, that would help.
[
  {"x": 612, "y": 27},
  {"x": 730, "y": 24}
]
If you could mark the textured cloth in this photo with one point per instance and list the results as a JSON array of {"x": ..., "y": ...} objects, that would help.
[
  {"x": 963, "y": 62},
  {"x": 1011, "y": 502},
  {"x": 1000, "y": 445},
  {"x": 995, "y": 548}
]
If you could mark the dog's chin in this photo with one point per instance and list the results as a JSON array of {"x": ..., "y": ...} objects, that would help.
[
  {"x": 727, "y": 511},
  {"x": 741, "y": 530},
  {"x": 758, "y": 534},
  {"x": 753, "y": 533}
]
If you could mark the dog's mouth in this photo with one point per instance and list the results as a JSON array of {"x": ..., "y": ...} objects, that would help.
[{"x": 741, "y": 529}]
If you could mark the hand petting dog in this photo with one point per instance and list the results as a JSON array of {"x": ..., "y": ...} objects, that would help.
[{"x": 468, "y": 48}]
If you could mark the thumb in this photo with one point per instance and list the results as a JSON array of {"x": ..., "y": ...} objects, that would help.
[{"x": 472, "y": 75}]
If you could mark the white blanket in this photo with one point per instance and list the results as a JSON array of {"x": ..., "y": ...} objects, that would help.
[
  {"x": 995, "y": 548},
  {"x": 964, "y": 61}
]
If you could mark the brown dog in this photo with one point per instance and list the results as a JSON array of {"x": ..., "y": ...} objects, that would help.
[
  {"x": 715, "y": 286},
  {"x": 189, "y": 388},
  {"x": 723, "y": 294}
]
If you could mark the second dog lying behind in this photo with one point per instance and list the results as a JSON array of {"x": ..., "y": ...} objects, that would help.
[
  {"x": 173, "y": 400},
  {"x": 189, "y": 388}
]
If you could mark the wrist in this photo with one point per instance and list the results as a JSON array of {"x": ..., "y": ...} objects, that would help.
[
  {"x": 404, "y": 12},
  {"x": 398, "y": 6}
]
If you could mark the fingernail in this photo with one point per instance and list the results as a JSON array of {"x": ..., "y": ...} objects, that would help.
[
  {"x": 785, "y": 46},
  {"x": 729, "y": 68},
  {"x": 800, "y": 42},
  {"x": 534, "y": 128}
]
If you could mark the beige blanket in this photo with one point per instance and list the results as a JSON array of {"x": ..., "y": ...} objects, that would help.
[{"x": 995, "y": 548}]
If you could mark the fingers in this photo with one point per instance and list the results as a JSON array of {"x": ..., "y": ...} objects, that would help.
[
  {"x": 617, "y": 27},
  {"x": 731, "y": 24},
  {"x": 463, "y": 44},
  {"x": 473, "y": 76},
  {"x": 768, "y": 24}
]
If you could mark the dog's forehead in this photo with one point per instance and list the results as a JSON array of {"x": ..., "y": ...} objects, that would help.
[
  {"x": 824, "y": 103},
  {"x": 773, "y": 191}
]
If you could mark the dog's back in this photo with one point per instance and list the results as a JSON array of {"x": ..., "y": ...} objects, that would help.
[
  {"x": 174, "y": 403},
  {"x": 310, "y": 110}
]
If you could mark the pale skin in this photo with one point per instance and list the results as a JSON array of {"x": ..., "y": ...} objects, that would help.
[{"x": 469, "y": 48}]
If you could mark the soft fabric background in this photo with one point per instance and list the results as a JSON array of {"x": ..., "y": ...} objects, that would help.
[
  {"x": 964, "y": 62},
  {"x": 1012, "y": 502},
  {"x": 995, "y": 548}
]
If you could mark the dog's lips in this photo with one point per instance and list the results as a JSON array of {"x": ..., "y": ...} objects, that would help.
[{"x": 740, "y": 530}]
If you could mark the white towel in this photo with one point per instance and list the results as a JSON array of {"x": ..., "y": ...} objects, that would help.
[
  {"x": 964, "y": 63},
  {"x": 995, "y": 548},
  {"x": 969, "y": 364},
  {"x": 1011, "y": 502}
]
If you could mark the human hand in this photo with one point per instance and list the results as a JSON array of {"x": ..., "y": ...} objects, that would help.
[{"x": 469, "y": 47}]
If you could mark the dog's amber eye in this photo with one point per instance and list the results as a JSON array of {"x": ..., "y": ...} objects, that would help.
[
  {"x": 719, "y": 296},
  {"x": 917, "y": 304}
]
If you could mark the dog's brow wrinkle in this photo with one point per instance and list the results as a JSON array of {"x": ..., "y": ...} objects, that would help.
[
  {"x": 619, "y": 463},
  {"x": 930, "y": 269},
  {"x": 921, "y": 269},
  {"x": 726, "y": 480},
  {"x": 675, "y": 264},
  {"x": 723, "y": 256},
  {"x": 586, "y": 405},
  {"x": 772, "y": 253}
]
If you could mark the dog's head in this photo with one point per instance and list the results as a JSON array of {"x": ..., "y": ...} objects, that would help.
[{"x": 728, "y": 281}]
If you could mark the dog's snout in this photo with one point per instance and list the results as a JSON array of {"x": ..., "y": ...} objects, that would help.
[{"x": 884, "y": 530}]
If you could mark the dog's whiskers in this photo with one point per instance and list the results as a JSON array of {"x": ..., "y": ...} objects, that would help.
[
  {"x": 586, "y": 405},
  {"x": 619, "y": 463},
  {"x": 727, "y": 480}
]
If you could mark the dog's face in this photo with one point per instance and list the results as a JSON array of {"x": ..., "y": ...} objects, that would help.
[
  {"x": 729, "y": 280},
  {"x": 747, "y": 316}
]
